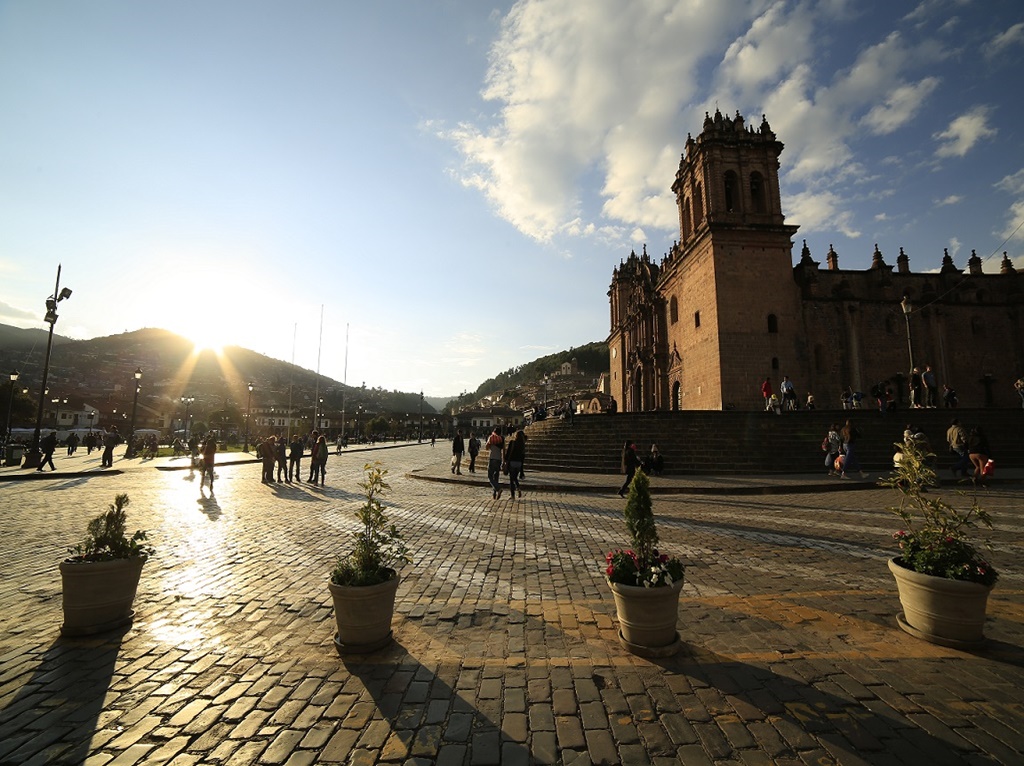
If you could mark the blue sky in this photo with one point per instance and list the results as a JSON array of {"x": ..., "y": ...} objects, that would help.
[{"x": 455, "y": 180}]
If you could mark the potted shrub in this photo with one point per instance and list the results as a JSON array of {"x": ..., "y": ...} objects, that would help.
[
  {"x": 364, "y": 581},
  {"x": 100, "y": 579},
  {"x": 645, "y": 583},
  {"x": 943, "y": 580}
]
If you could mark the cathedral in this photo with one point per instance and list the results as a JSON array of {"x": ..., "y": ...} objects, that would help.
[{"x": 726, "y": 308}]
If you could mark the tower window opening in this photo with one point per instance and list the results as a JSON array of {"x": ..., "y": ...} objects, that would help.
[
  {"x": 757, "y": 192},
  {"x": 730, "y": 192},
  {"x": 773, "y": 324}
]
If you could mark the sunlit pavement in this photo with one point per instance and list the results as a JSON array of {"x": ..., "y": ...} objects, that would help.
[{"x": 506, "y": 648}]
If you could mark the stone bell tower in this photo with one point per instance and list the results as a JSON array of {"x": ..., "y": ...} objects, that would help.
[{"x": 733, "y": 311}]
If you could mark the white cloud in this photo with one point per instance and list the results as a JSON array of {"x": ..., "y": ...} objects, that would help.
[
  {"x": 1014, "y": 184},
  {"x": 952, "y": 199},
  {"x": 1012, "y": 36},
  {"x": 954, "y": 246},
  {"x": 817, "y": 211},
  {"x": 15, "y": 315},
  {"x": 964, "y": 132},
  {"x": 590, "y": 87},
  {"x": 900, "y": 107}
]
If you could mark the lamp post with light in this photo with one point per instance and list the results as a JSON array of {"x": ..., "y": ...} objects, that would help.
[
  {"x": 908, "y": 309},
  {"x": 187, "y": 401},
  {"x": 34, "y": 458},
  {"x": 10, "y": 406},
  {"x": 130, "y": 452},
  {"x": 248, "y": 409}
]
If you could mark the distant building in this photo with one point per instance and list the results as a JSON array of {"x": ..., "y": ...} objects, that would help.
[{"x": 726, "y": 308}]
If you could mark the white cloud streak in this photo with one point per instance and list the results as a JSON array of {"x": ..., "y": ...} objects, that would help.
[{"x": 964, "y": 133}]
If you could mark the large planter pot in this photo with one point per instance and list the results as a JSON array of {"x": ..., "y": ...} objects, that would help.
[
  {"x": 939, "y": 610},
  {"x": 647, "y": 618},
  {"x": 98, "y": 595},
  {"x": 363, "y": 614}
]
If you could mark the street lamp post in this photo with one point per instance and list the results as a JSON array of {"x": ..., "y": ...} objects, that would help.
[
  {"x": 10, "y": 406},
  {"x": 187, "y": 401},
  {"x": 248, "y": 409},
  {"x": 907, "y": 311},
  {"x": 34, "y": 458},
  {"x": 130, "y": 451}
]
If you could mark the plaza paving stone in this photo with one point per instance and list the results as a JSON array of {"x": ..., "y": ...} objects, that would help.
[{"x": 505, "y": 638}]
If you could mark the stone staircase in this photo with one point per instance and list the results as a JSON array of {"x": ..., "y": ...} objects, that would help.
[{"x": 695, "y": 442}]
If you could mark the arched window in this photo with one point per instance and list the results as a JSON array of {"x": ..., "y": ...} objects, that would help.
[
  {"x": 686, "y": 218},
  {"x": 673, "y": 310},
  {"x": 757, "y": 192},
  {"x": 731, "y": 187},
  {"x": 677, "y": 398},
  {"x": 775, "y": 363},
  {"x": 773, "y": 324},
  {"x": 698, "y": 204}
]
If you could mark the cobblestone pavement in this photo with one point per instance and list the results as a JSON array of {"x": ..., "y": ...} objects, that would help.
[{"x": 506, "y": 648}]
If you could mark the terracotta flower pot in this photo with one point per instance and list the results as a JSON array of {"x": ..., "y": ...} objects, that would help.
[
  {"x": 363, "y": 614},
  {"x": 647, "y": 618},
  {"x": 940, "y": 610},
  {"x": 98, "y": 595}
]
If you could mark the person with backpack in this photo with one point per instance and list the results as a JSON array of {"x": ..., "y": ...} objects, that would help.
[{"x": 474, "y": 450}]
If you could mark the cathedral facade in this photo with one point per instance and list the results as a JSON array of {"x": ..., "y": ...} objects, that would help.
[{"x": 726, "y": 308}]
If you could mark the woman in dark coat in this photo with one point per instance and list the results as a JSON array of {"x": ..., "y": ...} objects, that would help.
[{"x": 630, "y": 462}]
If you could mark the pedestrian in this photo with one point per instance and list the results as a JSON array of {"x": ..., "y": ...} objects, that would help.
[
  {"x": 110, "y": 440},
  {"x": 916, "y": 396},
  {"x": 90, "y": 442},
  {"x": 630, "y": 463},
  {"x": 956, "y": 438},
  {"x": 766, "y": 393},
  {"x": 654, "y": 464},
  {"x": 931, "y": 388},
  {"x": 1018, "y": 386},
  {"x": 282, "y": 459},
  {"x": 314, "y": 445},
  {"x": 832, "y": 445},
  {"x": 809, "y": 404},
  {"x": 320, "y": 460},
  {"x": 458, "y": 449},
  {"x": 295, "y": 459},
  {"x": 48, "y": 445},
  {"x": 949, "y": 397},
  {"x": 474, "y": 450},
  {"x": 495, "y": 453},
  {"x": 788, "y": 391},
  {"x": 851, "y": 435},
  {"x": 515, "y": 456},
  {"x": 209, "y": 458},
  {"x": 572, "y": 411},
  {"x": 72, "y": 443},
  {"x": 979, "y": 452},
  {"x": 268, "y": 454}
]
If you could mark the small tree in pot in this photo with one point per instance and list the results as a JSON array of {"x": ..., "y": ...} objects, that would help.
[
  {"x": 100, "y": 580},
  {"x": 364, "y": 581},
  {"x": 645, "y": 583},
  {"x": 942, "y": 578}
]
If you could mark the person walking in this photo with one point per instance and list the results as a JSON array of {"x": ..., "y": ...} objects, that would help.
[
  {"x": 268, "y": 454},
  {"x": 766, "y": 393},
  {"x": 931, "y": 386},
  {"x": 209, "y": 458},
  {"x": 474, "y": 450},
  {"x": 458, "y": 449},
  {"x": 956, "y": 438},
  {"x": 979, "y": 452},
  {"x": 110, "y": 440},
  {"x": 314, "y": 469},
  {"x": 295, "y": 449},
  {"x": 495, "y": 449},
  {"x": 1018, "y": 386},
  {"x": 833, "y": 445},
  {"x": 48, "y": 446},
  {"x": 282, "y": 459},
  {"x": 850, "y": 435},
  {"x": 630, "y": 462},
  {"x": 320, "y": 460},
  {"x": 515, "y": 456},
  {"x": 72, "y": 443}
]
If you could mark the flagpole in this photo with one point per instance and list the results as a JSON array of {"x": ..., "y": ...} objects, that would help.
[{"x": 344, "y": 390}]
